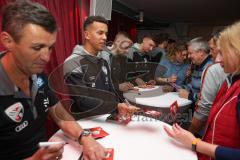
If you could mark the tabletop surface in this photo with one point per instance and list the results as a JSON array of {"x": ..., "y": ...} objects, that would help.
[
  {"x": 143, "y": 138},
  {"x": 155, "y": 97}
]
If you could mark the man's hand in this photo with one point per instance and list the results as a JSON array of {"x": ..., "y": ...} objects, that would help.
[
  {"x": 92, "y": 150},
  {"x": 52, "y": 152},
  {"x": 125, "y": 86},
  {"x": 140, "y": 82},
  {"x": 151, "y": 82},
  {"x": 126, "y": 110},
  {"x": 167, "y": 88},
  {"x": 172, "y": 79},
  {"x": 183, "y": 93}
]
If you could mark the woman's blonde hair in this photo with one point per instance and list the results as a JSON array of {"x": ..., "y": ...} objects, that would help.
[
  {"x": 230, "y": 38},
  {"x": 176, "y": 48}
]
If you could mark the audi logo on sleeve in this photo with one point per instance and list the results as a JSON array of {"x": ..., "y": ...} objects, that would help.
[{"x": 15, "y": 112}]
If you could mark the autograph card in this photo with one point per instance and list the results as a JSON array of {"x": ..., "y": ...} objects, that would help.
[{"x": 97, "y": 132}]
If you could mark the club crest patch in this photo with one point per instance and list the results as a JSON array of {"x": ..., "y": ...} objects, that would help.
[
  {"x": 40, "y": 82},
  {"x": 15, "y": 112}
]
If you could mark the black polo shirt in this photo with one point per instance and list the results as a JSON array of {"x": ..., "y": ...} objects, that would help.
[{"x": 22, "y": 124}]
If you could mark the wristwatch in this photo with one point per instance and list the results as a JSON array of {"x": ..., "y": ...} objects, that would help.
[
  {"x": 84, "y": 133},
  {"x": 194, "y": 144}
]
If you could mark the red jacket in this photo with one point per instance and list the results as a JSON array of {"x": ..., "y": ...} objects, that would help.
[{"x": 223, "y": 127}]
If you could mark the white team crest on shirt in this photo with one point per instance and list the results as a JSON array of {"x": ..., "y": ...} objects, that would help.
[
  {"x": 40, "y": 81},
  {"x": 104, "y": 69},
  {"x": 15, "y": 112}
]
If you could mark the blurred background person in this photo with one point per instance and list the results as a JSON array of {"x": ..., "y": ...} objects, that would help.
[
  {"x": 176, "y": 66},
  {"x": 116, "y": 56},
  {"x": 160, "y": 50},
  {"x": 140, "y": 53},
  {"x": 198, "y": 53},
  {"x": 212, "y": 79}
]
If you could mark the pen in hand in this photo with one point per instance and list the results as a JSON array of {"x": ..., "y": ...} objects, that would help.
[
  {"x": 46, "y": 144},
  {"x": 127, "y": 102}
]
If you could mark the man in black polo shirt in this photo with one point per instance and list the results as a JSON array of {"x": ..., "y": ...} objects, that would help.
[{"x": 28, "y": 33}]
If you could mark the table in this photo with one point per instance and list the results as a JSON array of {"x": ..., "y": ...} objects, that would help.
[
  {"x": 143, "y": 138},
  {"x": 155, "y": 97}
]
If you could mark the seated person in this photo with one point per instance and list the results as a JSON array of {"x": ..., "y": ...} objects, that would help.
[{"x": 176, "y": 66}]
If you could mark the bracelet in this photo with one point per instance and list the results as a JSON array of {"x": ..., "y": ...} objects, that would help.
[{"x": 194, "y": 144}]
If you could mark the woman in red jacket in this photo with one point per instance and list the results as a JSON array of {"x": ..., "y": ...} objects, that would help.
[{"x": 222, "y": 136}]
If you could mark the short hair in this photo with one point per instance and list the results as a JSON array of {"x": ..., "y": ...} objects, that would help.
[
  {"x": 161, "y": 37},
  {"x": 92, "y": 19},
  {"x": 18, "y": 14},
  {"x": 150, "y": 36},
  {"x": 199, "y": 44},
  {"x": 215, "y": 35},
  {"x": 122, "y": 33},
  {"x": 170, "y": 41}
]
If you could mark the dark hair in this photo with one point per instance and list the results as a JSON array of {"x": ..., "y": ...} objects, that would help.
[
  {"x": 150, "y": 36},
  {"x": 161, "y": 37},
  {"x": 92, "y": 19},
  {"x": 215, "y": 35},
  {"x": 18, "y": 14},
  {"x": 178, "y": 47},
  {"x": 170, "y": 41}
]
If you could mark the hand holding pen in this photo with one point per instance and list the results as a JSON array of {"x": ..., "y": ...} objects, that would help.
[
  {"x": 48, "y": 150},
  {"x": 126, "y": 110}
]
